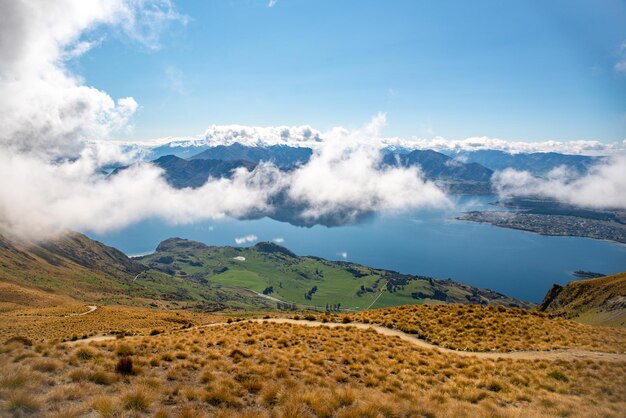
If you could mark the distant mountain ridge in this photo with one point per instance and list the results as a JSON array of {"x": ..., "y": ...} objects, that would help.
[
  {"x": 537, "y": 163},
  {"x": 220, "y": 161},
  {"x": 281, "y": 155},
  {"x": 436, "y": 165}
]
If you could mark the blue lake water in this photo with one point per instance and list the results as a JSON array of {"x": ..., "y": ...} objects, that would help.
[{"x": 520, "y": 264}]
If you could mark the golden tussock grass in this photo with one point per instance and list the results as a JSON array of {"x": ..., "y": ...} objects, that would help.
[
  {"x": 489, "y": 328},
  {"x": 250, "y": 369},
  {"x": 51, "y": 323}
]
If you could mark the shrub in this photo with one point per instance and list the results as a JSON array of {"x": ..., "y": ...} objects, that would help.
[{"x": 124, "y": 366}]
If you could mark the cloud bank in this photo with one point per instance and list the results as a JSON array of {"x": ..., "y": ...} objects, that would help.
[
  {"x": 53, "y": 150},
  {"x": 53, "y": 144},
  {"x": 307, "y": 136},
  {"x": 604, "y": 187},
  {"x": 44, "y": 108}
]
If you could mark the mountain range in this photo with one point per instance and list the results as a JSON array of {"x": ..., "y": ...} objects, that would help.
[{"x": 538, "y": 163}]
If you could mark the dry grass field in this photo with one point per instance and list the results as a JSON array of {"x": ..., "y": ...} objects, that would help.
[
  {"x": 490, "y": 328},
  {"x": 55, "y": 324},
  {"x": 248, "y": 369}
]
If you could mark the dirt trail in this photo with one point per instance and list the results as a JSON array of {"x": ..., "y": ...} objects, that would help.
[
  {"x": 563, "y": 354},
  {"x": 91, "y": 308}
]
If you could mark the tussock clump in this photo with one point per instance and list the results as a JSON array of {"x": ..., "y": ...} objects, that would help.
[
  {"x": 137, "y": 399},
  {"x": 84, "y": 353},
  {"x": 124, "y": 350},
  {"x": 22, "y": 403},
  {"x": 102, "y": 378}
]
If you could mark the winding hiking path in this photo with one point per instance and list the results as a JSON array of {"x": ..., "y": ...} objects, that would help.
[
  {"x": 562, "y": 354},
  {"x": 91, "y": 308}
]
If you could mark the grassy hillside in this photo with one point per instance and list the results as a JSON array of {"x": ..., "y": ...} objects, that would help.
[
  {"x": 283, "y": 370},
  {"x": 69, "y": 267},
  {"x": 599, "y": 301},
  {"x": 65, "y": 322},
  {"x": 74, "y": 268},
  {"x": 274, "y": 270}
]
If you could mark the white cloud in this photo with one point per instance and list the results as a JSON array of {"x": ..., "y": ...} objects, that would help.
[
  {"x": 343, "y": 255},
  {"x": 307, "y": 136},
  {"x": 343, "y": 176},
  {"x": 279, "y": 240},
  {"x": 584, "y": 147},
  {"x": 47, "y": 113},
  {"x": 246, "y": 239},
  {"x": 604, "y": 187},
  {"x": 272, "y": 3},
  {"x": 44, "y": 108}
]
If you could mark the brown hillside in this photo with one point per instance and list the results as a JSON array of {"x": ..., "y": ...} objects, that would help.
[
  {"x": 600, "y": 301},
  {"x": 53, "y": 272}
]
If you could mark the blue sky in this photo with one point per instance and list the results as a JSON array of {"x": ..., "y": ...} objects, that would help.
[{"x": 523, "y": 70}]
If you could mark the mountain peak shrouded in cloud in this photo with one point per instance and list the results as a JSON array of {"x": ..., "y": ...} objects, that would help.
[
  {"x": 53, "y": 151},
  {"x": 54, "y": 147},
  {"x": 307, "y": 136},
  {"x": 603, "y": 187}
]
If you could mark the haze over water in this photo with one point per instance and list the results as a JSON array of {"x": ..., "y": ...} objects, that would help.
[{"x": 517, "y": 263}]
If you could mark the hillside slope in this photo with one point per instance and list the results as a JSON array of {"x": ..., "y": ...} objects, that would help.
[
  {"x": 70, "y": 267},
  {"x": 600, "y": 301},
  {"x": 73, "y": 268},
  {"x": 311, "y": 281}
]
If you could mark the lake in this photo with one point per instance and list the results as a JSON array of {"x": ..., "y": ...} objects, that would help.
[{"x": 517, "y": 263}]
